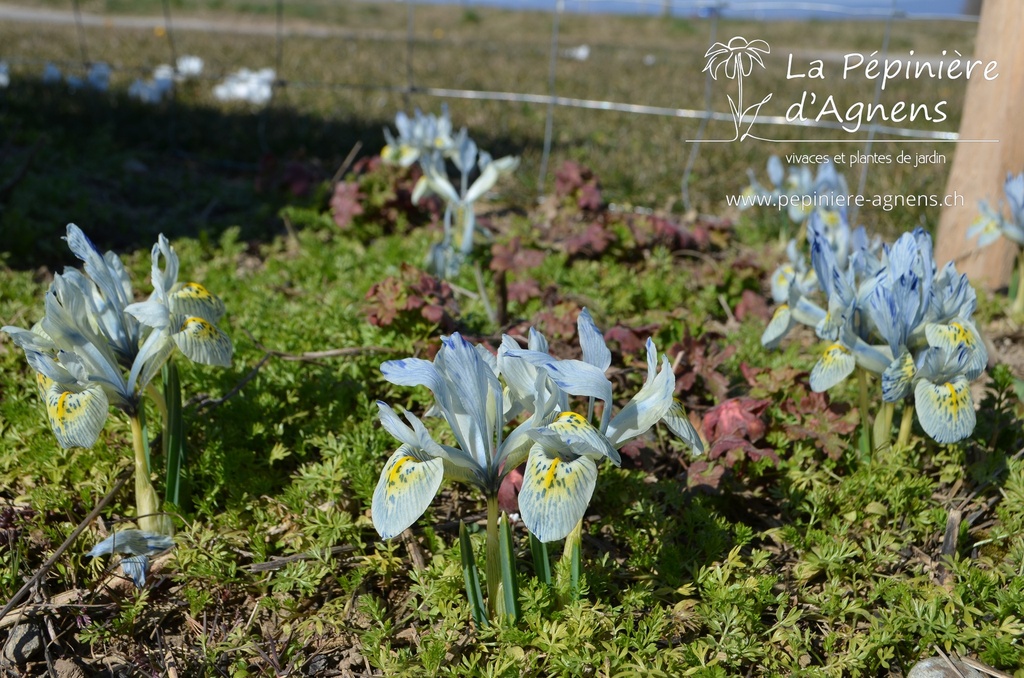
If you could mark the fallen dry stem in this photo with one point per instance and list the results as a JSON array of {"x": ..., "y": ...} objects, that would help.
[{"x": 16, "y": 598}]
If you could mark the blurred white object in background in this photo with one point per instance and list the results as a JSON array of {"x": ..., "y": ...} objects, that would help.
[
  {"x": 581, "y": 53},
  {"x": 245, "y": 85}
]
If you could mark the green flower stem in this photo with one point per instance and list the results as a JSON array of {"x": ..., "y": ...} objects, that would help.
[
  {"x": 147, "y": 504},
  {"x": 478, "y": 274},
  {"x": 1018, "y": 302},
  {"x": 569, "y": 565},
  {"x": 865, "y": 422},
  {"x": 493, "y": 566},
  {"x": 158, "y": 398},
  {"x": 906, "y": 425},
  {"x": 883, "y": 425}
]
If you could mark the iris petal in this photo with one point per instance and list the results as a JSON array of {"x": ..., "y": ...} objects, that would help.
[
  {"x": 135, "y": 568},
  {"x": 835, "y": 364},
  {"x": 778, "y": 327},
  {"x": 945, "y": 410},
  {"x": 595, "y": 351},
  {"x": 192, "y": 299},
  {"x": 555, "y": 493},
  {"x": 76, "y": 417},
  {"x": 679, "y": 423},
  {"x": 898, "y": 378},
  {"x": 956, "y": 335},
  {"x": 405, "y": 489},
  {"x": 202, "y": 342},
  {"x": 577, "y": 438}
]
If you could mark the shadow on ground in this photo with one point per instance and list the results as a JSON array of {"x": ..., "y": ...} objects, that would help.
[{"x": 126, "y": 171}]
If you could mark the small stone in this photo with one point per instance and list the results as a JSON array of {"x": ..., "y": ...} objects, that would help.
[
  {"x": 317, "y": 665},
  {"x": 938, "y": 667},
  {"x": 24, "y": 644},
  {"x": 67, "y": 668}
]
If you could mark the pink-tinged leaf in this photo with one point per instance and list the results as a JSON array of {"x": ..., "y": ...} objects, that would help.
[
  {"x": 433, "y": 313},
  {"x": 514, "y": 257},
  {"x": 627, "y": 339},
  {"x": 704, "y": 476},
  {"x": 753, "y": 305},
  {"x": 346, "y": 203},
  {"x": 409, "y": 298},
  {"x": 701, "y": 359},
  {"x": 736, "y": 417},
  {"x": 508, "y": 492},
  {"x": 522, "y": 291},
  {"x": 590, "y": 197},
  {"x": 594, "y": 240},
  {"x": 569, "y": 178},
  {"x": 575, "y": 180},
  {"x": 821, "y": 421},
  {"x": 658, "y": 230}
]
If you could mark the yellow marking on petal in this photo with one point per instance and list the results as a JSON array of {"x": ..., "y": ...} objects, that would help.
[
  {"x": 571, "y": 419},
  {"x": 783, "y": 308},
  {"x": 76, "y": 418},
  {"x": 199, "y": 328},
  {"x": 834, "y": 352},
  {"x": 549, "y": 476},
  {"x": 954, "y": 333},
  {"x": 193, "y": 290},
  {"x": 405, "y": 489},
  {"x": 62, "y": 404},
  {"x": 945, "y": 410},
  {"x": 955, "y": 401},
  {"x": 830, "y": 217},
  {"x": 396, "y": 475},
  {"x": 43, "y": 383},
  {"x": 961, "y": 335}
]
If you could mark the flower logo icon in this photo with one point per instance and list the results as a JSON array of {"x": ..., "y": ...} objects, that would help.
[{"x": 736, "y": 59}]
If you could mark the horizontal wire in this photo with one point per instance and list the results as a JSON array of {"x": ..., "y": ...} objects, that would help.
[{"x": 184, "y": 24}]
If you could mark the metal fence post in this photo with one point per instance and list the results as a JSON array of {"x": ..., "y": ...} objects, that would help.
[
  {"x": 691, "y": 160},
  {"x": 80, "y": 29},
  {"x": 862, "y": 181},
  {"x": 549, "y": 121}
]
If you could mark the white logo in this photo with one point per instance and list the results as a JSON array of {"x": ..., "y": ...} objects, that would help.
[{"x": 737, "y": 59}]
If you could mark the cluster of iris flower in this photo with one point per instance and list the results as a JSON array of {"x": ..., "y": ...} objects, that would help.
[
  {"x": 96, "y": 347},
  {"x": 890, "y": 310},
  {"x": 512, "y": 408},
  {"x": 796, "y": 190},
  {"x": 429, "y": 141},
  {"x": 992, "y": 224}
]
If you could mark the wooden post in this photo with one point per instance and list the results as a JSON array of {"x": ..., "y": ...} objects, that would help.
[{"x": 992, "y": 110}]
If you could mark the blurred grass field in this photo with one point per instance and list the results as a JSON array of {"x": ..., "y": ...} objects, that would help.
[{"x": 196, "y": 164}]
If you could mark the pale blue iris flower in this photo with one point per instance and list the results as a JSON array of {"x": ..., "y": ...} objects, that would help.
[
  {"x": 428, "y": 140},
  {"x": 560, "y": 478},
  {"x": 470, "y": 397},
  {"x": 895, "y": 314},
  {"x": 78, "y": 371},
  {"x": 89, "y": 351},
  {"x": 447, "y": 256},
  {"x": 561, "y": 448},
  {"x": 992, "y": 224},
  {"x": 186, "y": 313},
  {"x": 803, "y": 192},
  {"x": 135, "y": 546},
  {"x": 418, "y": 136}
]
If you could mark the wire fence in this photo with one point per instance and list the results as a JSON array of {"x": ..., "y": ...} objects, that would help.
[{"x": 707, "y": 14}]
